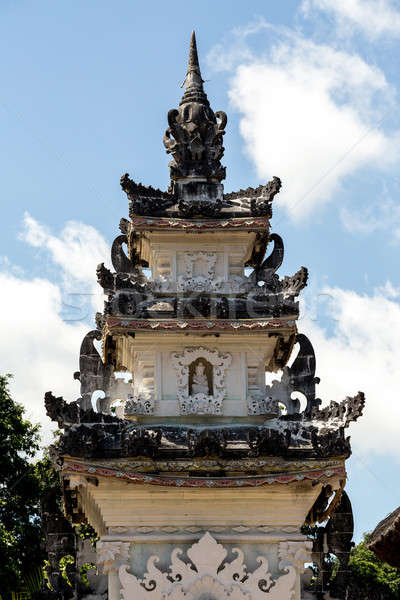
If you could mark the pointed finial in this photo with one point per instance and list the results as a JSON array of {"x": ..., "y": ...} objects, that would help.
[
  {"x": 193, "y": 62},
  {"x": 194, "y": 91}
]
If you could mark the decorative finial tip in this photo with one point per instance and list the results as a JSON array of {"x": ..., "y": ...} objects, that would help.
[{"x": 193, "y": 56}]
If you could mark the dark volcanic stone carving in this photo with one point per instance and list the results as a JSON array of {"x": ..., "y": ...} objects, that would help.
[
  {"x": 195, "y": 132},
  {"x": 105, "y": 436},
  {"x": 292, "y": 286},
  {"x": 142, "y": 442},
  {"x": 105, "y": 278},
  {"x": 92, "y": 374},
  {"x": 259, "y": 198},
  {"x": 269, "y": 442},
  {"x": 332, "y": 443},
  {"x": 60, "y": 411},
  {"x": 206, "y": 442},
  {"x": 335, "y": 538},
  {"x": 120, "y": 261},
  {"x": 271, "y": 264},
  {"x": 145, "y": 200},
  {"x": 302, "y": 372},
  {"x": 341, "y": 413}
]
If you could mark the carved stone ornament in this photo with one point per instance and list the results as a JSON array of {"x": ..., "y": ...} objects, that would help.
[
  {"x": 208, "y": 576},
  {"x": 295, "y": 554},
  {"x": 110, "y": 555},
  {"x": 201, "y": 403},
  {"x": 142, "y": 404},
  {"x": 199, "y": 283},
  {"x": 259, "y": 405},
  {"x": 195, "y": 132}
]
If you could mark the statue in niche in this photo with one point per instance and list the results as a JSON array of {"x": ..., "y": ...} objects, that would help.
[{"x": 200, "y": 377}]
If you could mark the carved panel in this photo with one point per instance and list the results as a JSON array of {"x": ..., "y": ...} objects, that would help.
[
  {"x": 199, "y": 282},
  {"x": 208, "y": 575},
  {"x": 142, "y": 401},
  {"x": 201, "y": 402}
]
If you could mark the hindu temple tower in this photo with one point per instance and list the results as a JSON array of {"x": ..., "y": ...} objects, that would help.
[{"x": 197, "y": 476}]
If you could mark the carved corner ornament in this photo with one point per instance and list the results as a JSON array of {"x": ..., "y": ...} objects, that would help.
[
  {"x": 201, "y": 403},
  {"x": 110, "y": 555},
  {"x": 208, "y": 575},
  {"x": 295, "y": 554}
]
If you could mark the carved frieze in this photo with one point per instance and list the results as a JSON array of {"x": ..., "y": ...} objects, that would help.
[
  {"x": 193, "y": 380},
  {"x": 209, "y": 574}
]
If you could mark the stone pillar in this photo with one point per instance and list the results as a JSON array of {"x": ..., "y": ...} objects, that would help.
[{"x": 110, "y": 556}]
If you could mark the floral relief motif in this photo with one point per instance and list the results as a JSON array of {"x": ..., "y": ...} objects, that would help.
[
  {"x": 201, "y": 403},
  {"x": 209, "y": 576}
]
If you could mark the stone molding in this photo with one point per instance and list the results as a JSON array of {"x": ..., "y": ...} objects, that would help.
[
  {"x": 200, "y": 404},
  {"x": 326, "y": 473},
  {"x": 212, "y": 577}
]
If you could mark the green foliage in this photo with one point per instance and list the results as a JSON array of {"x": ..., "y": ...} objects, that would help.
[
  {"x": 369, "y": 570},
  {"x": 85, "y": 568},
  {"x": 22, "y": 483},
  {"x": 64, "y": 562},
  {"x": 86, "y": 532}
]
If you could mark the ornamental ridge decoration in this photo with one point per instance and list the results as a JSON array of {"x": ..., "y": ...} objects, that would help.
[
  {"x": 208, "y": 574},
  {"x": 201, "y": 403}
]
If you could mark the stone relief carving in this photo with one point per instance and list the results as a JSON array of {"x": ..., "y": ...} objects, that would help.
[
  {"x": 259, "y": 405},
  {"x": 295, "y": 554},
  {"x": 142, "y": 404},
  {"x": 208, "y": 575},
  {"x": 200, "y": 402},
  {"x": 199, "y": 283},
  {"x": 110, "y": 555}
]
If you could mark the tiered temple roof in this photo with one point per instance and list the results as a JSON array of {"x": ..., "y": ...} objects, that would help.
[{"x": 195, "y": 281}]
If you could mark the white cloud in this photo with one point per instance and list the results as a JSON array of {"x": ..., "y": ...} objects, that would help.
[
  {"x": 40, "y": 348},
  {"x": 310, "y": 113},
  {"x": 373, "y": 17},
  {"x": 77, "y": 251},
  {"x": 362, "y": 353}
]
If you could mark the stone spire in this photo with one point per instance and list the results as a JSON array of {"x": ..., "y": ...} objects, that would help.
[
  {"x": 194, "y": 91},
  {"x": 194, "y": 135}
]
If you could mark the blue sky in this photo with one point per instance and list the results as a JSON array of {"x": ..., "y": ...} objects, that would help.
[{"x": 311, "y": 90}]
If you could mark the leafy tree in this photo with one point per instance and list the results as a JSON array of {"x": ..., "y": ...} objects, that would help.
[
  {"x": 22, "y": 483},
  {"x": 372, "y": 573}
]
